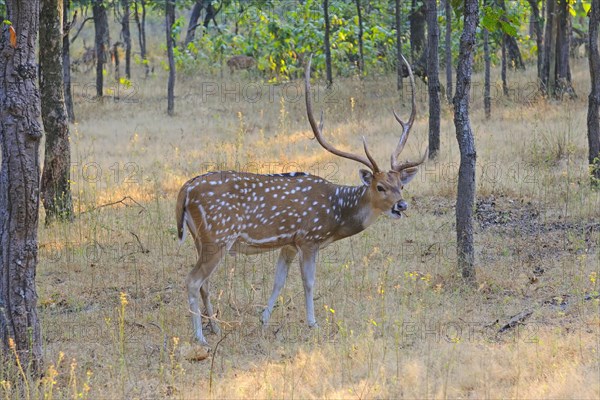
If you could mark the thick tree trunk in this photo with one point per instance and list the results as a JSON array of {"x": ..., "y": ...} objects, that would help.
[
  {"x": 102, "y": 42},
  {"x": 538, "y": 25},
  {"x": 399, "y": 63},
  {"x": 20, "y": 134},
  {"x": 417, "y": 30},
  {"x": 515, "y": 60},
  {"x": 55, "y": 188},
  {"x": 170, "y": 21},
  {"x": 593, "y": 122},
  {"x": 193, "y": 23},
  {"x": 140, "y": 21},
  {"x": 487, "y": 100},
  {"x": 549, "y": 54},
  {"x": 126, "y": 36},
  {"x": 361, "y": 62},
  {"x": 433, "y": 82},
  {"x": 466, "y": 174},
  {"x": 563, "y": 69},
  {"x": 448, "y": 50},
  {"x": 327, "y": 44},
  {"x": 66, "y": 60}
]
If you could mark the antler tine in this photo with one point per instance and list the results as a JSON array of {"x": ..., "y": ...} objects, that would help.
[
  {"x": 411, "y": 164},
  {"x": 406, "y": 126},
  {"x": 318, "y": 129},
  {"x": 369, "y": 156}
]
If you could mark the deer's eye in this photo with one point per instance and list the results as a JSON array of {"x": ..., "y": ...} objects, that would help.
[{"x": 380, "y": 188}]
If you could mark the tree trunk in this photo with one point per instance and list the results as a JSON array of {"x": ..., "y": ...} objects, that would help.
[
  {"x": 538, "y": 24},
  {"x": 66, "y": 60},
  {"x": 190, "y": 34},
  {"x": 55, "y": 188},
  {"x": 102, "y": 42},
  {"x": 503, "y": 66},
  {"x": 466, "y": 173},
  {"x": 20, "y": 134},
  {"x": 515, "y": 60},
  {"x": 487, "y": 100},
  {"x": 140, "y": 21},
  {"x": 417, "y": 30},
  {"x": 170, "y": 21},
  {"x": 327, "y": 45},
  {"x": 448, "y": 50},
  {"x": 549, "y": 54},
  {"x": 563, "y": 69},
  {"x": 433, "y": 82},
  {"x": 593, "y": 122},
  {"x": 126, "y": 36},
  {"x": 399, "y": 63},
  {"x": 361, "y": 62}
]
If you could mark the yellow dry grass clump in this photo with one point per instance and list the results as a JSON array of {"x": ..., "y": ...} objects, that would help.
[{"x": 395, "y": 319}]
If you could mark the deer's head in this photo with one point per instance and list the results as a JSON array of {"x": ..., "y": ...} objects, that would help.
[{"x": 384, "y": 187}]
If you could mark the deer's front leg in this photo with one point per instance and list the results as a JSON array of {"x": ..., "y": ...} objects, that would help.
[
  {"x": 308, "y": 267},
  {"x": 286, "y": 256}
]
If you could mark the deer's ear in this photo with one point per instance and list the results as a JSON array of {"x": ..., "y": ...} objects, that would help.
[
  {"x": 408, "y": 174},
  {"x": 366, "y": 176}
]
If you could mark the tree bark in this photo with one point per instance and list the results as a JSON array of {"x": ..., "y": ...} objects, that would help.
[
  {"x": 55, "y": 188},
  {"x": 417, "y": 31},
  {"x": 466, "y": 174},
  {"x": 563, "y": 69},
  {"x": 361, "y": 62},
  {"x": 487, "y": 100},
  {"x": 433, "y": 82},
  {"x": 549, "y": 49},
  {"x": 448, "y": 50},
  {"x": 102, "y": 42},
  {"x": 66, "y": 60},
  {"x": 515, "y": 60},
  {"x": 126, "y": 36},
  {"x": 399, "y": 63},
  {"x": 193, "y": 23},
  {"x": 538, "y": 25},
  {"x": 503, "y": 66},
  {"x": 327, "y": 44},
  {"x": 593, "y": 122},
  {"x": 140, "y": 21},
  {"x": 170, "y": 21},
  {"x": 20, "y": 134}
]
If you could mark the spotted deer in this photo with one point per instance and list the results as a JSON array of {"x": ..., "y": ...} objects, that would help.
[
  {"x": 240, "y": 62},
  {"x": 299, "y": 213}
]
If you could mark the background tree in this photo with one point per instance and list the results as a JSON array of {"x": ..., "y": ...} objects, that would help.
[
  {"x": 361, "y": 56},
  {"x": 102, "y": 42},
  {"x": 20, "y": 134},
  {"x": 55, "y": 187},
  {"x": 593, "y": 121},
  {"x": 465, "y": 198},
  {"x": 417, "y": 20},
  {"x": 327, "y": 44},
  {"x": 125, "y": 29},
  {"x": 487, "y": 100},
  {"x": 448, "y": 49},
  {"x": 538, "y": 24},
  {"x": 140, "y": 21},
  {"x": 433, "y": 80},
  {"x": 170, "y": 21},
  {"x": 563, "y": 39}
]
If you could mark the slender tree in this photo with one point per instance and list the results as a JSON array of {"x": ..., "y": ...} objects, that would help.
[
  {"x": 20, "y": 134},
  {"x": 399, "y": 63},
  {"x": 170, "y": 21},
  {"x": 433, "y": 80},
  {"x": 55, "y": 187},
  {"x": 503, "y": 55},
  {"x": 563, "y": 35},
  {"x": 538, "y": 26},
  {"x": 464, "y": 134},
  {"x": 125, "y": 28},
  {"x": 361, "y": 62},
  {"x": 448, "y": 49},
  {"x": 548, "y": 54},
  {"x": 102, "y": 42},
  {"x": 487, "y": 100},
  {"x": 140, "y": 21},
  {"x": 593, "y": 122},
  {"x": 327, "y": 44}
]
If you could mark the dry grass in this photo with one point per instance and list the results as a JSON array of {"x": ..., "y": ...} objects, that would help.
[{"x": 395, "y": 319}]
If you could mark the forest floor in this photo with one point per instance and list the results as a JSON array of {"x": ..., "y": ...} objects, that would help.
[{"x": 395, "y": 319}]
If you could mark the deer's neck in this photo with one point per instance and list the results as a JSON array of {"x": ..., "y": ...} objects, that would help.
[{"x": 353, "y": 211}]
